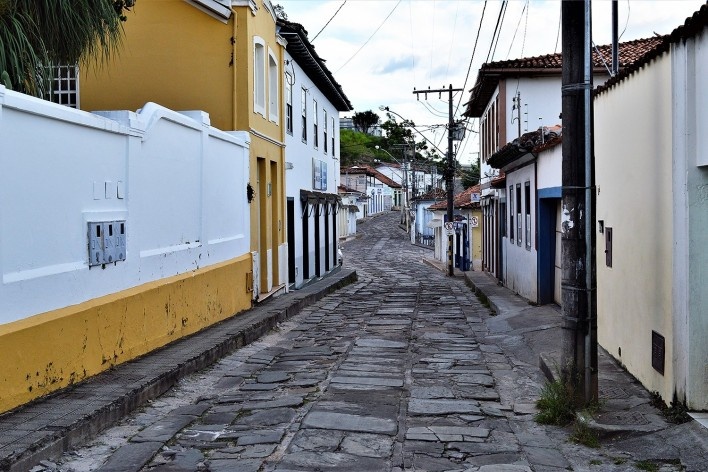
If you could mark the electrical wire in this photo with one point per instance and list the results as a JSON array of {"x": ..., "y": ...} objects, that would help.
[
  {"x": 474, "y": 49},
  {"x": 449, "y": 56},
  {"x": 432, "y": 43},
  {"x": 560, "y": 15},
  {"x": 433, "y": 110},
  {"x": 517, "y": 29},
  {"x": 413, "y": 49},
  {"x": 629, "y": 10},
  {"x": 372, "y": 35},
  {"x": 335, "y": 14},
  {"x": 500, "y": 21}
]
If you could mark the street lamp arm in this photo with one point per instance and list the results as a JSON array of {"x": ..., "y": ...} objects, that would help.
[{"x": 379, "y": 148}]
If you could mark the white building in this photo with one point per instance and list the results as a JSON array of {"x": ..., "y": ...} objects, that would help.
[
  {"x": 313, "y": 100},
  {"x": 652, "y": 216},
  {"x": 511, "y": 98}
]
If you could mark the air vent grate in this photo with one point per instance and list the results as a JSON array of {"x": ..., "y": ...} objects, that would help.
[{"x": 658, "y": 352}]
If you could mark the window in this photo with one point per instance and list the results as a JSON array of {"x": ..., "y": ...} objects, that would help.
[
  {"x": 303, "y": 105},
  {"x": 333, "y": 153},
  {"x": 315, "y": 118},
  {"x": 64, "y": 87},
  {"x": 519, "y": 221},
  {"x": 511, "y": 213},
  {"x": 324, "y": 130},
  {"x": 608, "y": 247},
  {"x": 288, "y": 103},
  {"x": 527, "y": 198},
  {"x": 273, "y": 111},
  {"x": 259, "y": 76}
]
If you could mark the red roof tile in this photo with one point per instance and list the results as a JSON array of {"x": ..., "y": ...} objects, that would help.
[
  {"x": 550, "y": 64},
  {"x": 461, "y": 200},
  {"x": 691, "y": 27}
]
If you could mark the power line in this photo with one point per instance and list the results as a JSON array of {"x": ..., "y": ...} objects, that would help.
[
  {"x": 335, "y": 14},
  {"x": 517, "y": 30},
  {"x": 432, "y": 43},
  {"x": 454, "y": 27},
  {"x": 500, "y": 21},
  {"x": 372, "y": 35},
  {"x": 469, "y": 68}
]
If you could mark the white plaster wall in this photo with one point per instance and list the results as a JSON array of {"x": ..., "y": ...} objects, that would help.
[
  {"x": 521, "y": 262},
  {"x": 178, "y": 183},
  {"x": 301, "y": 156},
  {"x": 540, "y": 98},
  {"x": 550, "y": 168},
  {"x": 690, "y": 202},
  {"x": 633, "y": 149}
]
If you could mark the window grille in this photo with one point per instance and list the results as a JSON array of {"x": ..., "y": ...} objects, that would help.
[{"x": 64, "y": 86}]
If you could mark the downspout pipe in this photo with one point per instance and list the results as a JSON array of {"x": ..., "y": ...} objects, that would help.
[{"x": 591, "y": 374}]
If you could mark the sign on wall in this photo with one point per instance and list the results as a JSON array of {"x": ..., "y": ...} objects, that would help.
[{"x": 319, "y": 174}]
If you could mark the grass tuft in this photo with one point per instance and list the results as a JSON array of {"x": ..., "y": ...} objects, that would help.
[{"x": 556, "y": 405}]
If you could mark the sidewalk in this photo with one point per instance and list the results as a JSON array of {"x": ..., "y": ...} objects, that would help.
[
  {"x": 54, "y": 424},
  {"x": 625, "y": 419}
]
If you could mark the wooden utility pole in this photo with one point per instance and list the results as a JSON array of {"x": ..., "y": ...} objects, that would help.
[
  {"x": 578, "y": 285},
  {"x": 449, "y": 169}
]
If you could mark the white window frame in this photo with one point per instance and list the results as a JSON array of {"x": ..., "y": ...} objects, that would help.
[
  {"x": 303, "y": 114},
  {"x": 315, "y": 125},
  {"x": 334, "y": 155},
  {"x": 289, "y": 103},
  {"x": 259, "y": 76},
  {"x": 273, "y": 99},
  {"x": 324, "y": 130}
]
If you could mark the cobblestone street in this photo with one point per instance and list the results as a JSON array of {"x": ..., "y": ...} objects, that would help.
[{"x": 396, "y": 372}]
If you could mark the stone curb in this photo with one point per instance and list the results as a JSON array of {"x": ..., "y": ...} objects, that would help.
[{"x": 104, "y": 399}]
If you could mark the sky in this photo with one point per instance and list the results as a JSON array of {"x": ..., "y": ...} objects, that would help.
[{"x": 380, "y": 50}]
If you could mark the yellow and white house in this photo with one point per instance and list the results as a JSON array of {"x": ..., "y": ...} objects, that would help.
[
  {"x": 224, "y": 57},
  {"x": 187, "y": 208}
]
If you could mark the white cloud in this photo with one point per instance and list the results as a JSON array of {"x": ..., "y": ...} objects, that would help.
[{"x": 428, "y": 43}]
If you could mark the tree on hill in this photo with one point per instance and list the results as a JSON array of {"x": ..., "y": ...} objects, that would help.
[
  {"x": 356, "y": 147},
  {"x": 37, "y": 34},
  {"x": 365, "y": 120}
]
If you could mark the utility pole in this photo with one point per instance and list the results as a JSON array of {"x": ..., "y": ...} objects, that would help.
[
  {"x": 450, "y": 168},
  {"x": 578, "y": 285}
]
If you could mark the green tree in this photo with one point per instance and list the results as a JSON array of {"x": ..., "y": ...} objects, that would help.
[
  {"x": 35, "y": 34},
  {"x": 280, "y": 12},
  {"x": 470, "y": 176},
  {"x": 365, "y": 120},
  {"x": 356, "y": 147}
]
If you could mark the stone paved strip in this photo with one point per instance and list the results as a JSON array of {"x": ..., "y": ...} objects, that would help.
[{"x": 346, "y": 422}]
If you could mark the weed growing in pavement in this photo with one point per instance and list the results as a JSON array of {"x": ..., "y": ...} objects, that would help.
[
  {"x": 556, "y": 405},
  {"x": 582, "y": 434},
  {"x": 619, "y": 461},
  {"x": 649, "y": 466},
  {"x": 676, "y": 413},
  {"x": 595, "y": 462}
]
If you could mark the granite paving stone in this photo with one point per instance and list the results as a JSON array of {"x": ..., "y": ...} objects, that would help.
[
  {"x": 402, "y": 370},
  {"x": 347, "y": 422}
]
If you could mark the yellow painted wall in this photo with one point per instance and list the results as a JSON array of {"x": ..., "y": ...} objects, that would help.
[
  {"x": 633, "y": 148},
  {"x": 52, "y": 350},
  {"x": 267, "y": 215},
  {"x": 476, "y": 235},
  {"x": 173, "y": 54}
]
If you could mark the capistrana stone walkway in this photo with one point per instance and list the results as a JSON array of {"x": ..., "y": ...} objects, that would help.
[{"x": 398, "y": 371}]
